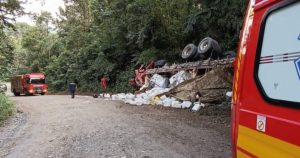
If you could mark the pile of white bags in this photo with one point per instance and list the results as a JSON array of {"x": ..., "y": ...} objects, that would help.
[
  {"x": 151, "y": 97},
  {"x": 140, "y": 99},
  {"x": 160, "y": 85}
]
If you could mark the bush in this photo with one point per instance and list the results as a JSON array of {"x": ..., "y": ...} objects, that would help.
[
  {"x": 6, "y": 107},
  {"x": 122, "y": 84}
]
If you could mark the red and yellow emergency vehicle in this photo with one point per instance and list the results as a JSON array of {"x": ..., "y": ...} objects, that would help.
[
  {"x": 266, "y": 97},
  {"x": 29, "y": 84}
]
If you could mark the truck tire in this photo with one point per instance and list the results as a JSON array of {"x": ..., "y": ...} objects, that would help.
[
  {"x": 205, "y": 45},
  {"x": 42, "y": 93},
  {"x": 160, "y": 63},
  {"x": 26, "y": 93},
  {"x": 189, "y": 51},
  {"x": 230, "y": 54},
  {"x": 209, "y": 48},
  {"x": 198, "y": 56},
  {"x": 15, "y": 93},
  {"x": 217, "y": 51}
]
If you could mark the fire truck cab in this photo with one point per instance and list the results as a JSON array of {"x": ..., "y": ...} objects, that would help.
[
  {"x": 266, "y": 97},
  {"x": 29, "y": 84}
]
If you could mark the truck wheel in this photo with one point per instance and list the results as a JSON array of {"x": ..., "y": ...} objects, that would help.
[
  {"x": 205, "y": 45},
  {"x": 209, "y": 47},
  {"x": 15, "y": 93},
  {"x": 42, "y": 93},
  {"x": 160, "y": 63},
  {"x": 230, "y": 54},
  {"x": 189, "y": 51},
  {"x": 198, "y": 57},
  {"x": 217, "y": 51},
  {"x": 28, "y": 94}
]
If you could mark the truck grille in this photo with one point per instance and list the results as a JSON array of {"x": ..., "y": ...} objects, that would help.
[{"x": 38, "y": 89}]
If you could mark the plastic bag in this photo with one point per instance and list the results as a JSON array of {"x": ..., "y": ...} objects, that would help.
[
  {"x": 229, "y": 94},
  {"x": 197, "y": 106},
  {"x": 159, "y": 81},
  {"x": 186, "y": 104},
  {"x": 130, "y": 96},
  {"x": 167, "y": 102},
  {"x": 176, "y": 104},
  {"x": 178, "y": 78}
]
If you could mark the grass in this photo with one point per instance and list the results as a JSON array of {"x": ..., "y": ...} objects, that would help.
[{"x": 6, "y": 107}]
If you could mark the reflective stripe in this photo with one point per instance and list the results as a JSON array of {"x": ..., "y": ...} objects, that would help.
[
  {"x": 279, "y": 58},
  {"x": 241, "y": 155},
  {"x": 237, "y": 77},
  {"x": 262, "y": 145}
]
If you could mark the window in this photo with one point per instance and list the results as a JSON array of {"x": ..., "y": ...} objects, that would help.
[
  {"x": 277, "y": 67},
  {"x": 37, "y": 81},
  {"x": 28, "y": 81}
]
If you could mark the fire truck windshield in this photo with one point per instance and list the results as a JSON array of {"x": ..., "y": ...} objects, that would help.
[{"x": 37, "y": 81}]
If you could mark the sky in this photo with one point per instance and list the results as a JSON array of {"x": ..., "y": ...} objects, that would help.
[{"x": 36, "y": 6}]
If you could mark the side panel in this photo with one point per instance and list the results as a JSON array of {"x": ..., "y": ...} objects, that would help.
[
  {"x": 17, "y": 84},
  {"x": 263, "y": 129},
  {"x": 239, "y": 75}
]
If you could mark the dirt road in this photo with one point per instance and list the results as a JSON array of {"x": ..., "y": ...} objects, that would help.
[{"x": 57, "y": 126}]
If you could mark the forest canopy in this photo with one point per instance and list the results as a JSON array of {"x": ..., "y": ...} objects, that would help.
[{"x": 92, "y": 38}]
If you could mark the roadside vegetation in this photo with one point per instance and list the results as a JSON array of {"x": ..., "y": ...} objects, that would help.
[
  {"x": 6, "y": 107},
  {"x": 92, "y": 38}
]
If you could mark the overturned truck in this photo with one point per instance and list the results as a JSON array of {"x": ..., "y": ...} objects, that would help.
[
  {"x": 205, "y": 77},
  {"x": 199, "y": 60},
  {"x": 208, "y": 88}
]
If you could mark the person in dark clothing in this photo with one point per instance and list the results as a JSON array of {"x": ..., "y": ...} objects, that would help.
[{"x": 72, "y": 89}]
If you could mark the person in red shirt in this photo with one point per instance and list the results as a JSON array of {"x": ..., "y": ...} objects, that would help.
[{"x": 104, "y": 80}]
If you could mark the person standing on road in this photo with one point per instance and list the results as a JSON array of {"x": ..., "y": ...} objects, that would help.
[
  {"x": 104, "y": 80},
  {"x": 72, "y": 89}
]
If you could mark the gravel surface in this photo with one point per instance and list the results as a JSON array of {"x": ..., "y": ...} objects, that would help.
[{"x": 84, "y": 127}]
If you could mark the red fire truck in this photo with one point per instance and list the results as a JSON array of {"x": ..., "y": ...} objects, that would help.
[
  {"x": 29, "y": 84},
  {"x": 266, "y": 101}
]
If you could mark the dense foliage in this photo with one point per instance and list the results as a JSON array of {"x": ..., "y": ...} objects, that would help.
[
  {"x": 8, "y": 10},
  {"x": 92, "y": 38},
  {"x": 6, "y": 107}
]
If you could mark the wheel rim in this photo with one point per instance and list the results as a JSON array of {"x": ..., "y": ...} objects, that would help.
[
  {"x": 204, "y": 45},
  {"x": 186, "y": 51},
  {"x": 189, "y": 51}
]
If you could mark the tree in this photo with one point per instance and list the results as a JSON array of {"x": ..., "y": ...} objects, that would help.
[
  {"x": 8, "y": 10},
  {"x": 111, "y": 37},
  {"x": 35, "y": 45},
  {"x": 220, "y": 19},
  {"x": 6, "y": 56},
  {"x": 43, "y": 20}
]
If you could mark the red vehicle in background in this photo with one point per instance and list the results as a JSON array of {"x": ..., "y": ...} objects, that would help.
[
  {"x": 29, "y": 84},
  {"x": 266, "y": 98}
]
